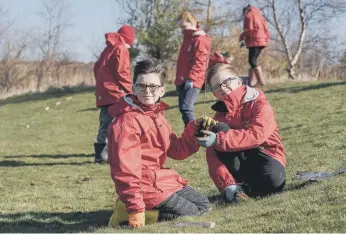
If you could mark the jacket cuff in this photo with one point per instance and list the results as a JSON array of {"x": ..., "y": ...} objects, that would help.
[
  {"x": 190, "y": 129},
  {"x": 218, "y": 145},
  {"x": 136, "y": 211},
  {"x": 190, "y": 78},
  {"x": 226, "y": 184},
  {"x": 135, "y": 206}
]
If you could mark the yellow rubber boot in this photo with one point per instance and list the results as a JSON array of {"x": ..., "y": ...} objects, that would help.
[{"x": 121, "y": 216}]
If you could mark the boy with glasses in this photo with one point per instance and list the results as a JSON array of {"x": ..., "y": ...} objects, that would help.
[{"x": 140, "y": 140}]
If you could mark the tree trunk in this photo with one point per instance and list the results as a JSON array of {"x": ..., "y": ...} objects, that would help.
[
  {"x": 291, "y": 72},
  {"x": 291, "y": 58},
  {"x": 208, "y": 23}
]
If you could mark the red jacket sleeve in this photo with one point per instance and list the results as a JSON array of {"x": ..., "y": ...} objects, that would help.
[
  {"x": 260, "y": 128},
  {"x": 248, "y": 26},
  {"x": 218, "y": 171},
  {"x": 200, "y": 57},
  {"x": 184, "y": 146},
  {"x": 124, "y": 149},
  {"x": 121, "y": 68}
]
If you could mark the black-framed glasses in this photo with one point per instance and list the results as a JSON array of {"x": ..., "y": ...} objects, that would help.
[
  {"x": 143, "y": 87},
  {"x": 224, "y": 83}
]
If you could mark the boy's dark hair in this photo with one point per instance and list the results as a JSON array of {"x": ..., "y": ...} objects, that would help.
[{"x": 149, "y": 66}]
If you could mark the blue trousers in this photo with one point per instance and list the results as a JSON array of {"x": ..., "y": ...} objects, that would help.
[{"x": 187, "y": 100}]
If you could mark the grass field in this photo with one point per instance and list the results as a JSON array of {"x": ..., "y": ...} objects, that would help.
[{"x": 50, "y": 184}]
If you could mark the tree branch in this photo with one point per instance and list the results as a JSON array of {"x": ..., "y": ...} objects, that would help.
[{"x": 302, "y": 33}]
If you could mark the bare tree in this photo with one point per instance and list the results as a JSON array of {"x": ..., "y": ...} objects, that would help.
[
  {"x": 5, "y": 23},
  {"x": 215, "y": 15},
  {"x": 11, "y": 51},
  {"x": 95, "y": 49},
  {"x": 155, "y": 24},
  {"x": 49, "y": 37},
  {"x": 296, "y": 24}
]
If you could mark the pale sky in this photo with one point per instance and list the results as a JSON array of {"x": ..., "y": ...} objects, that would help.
[{"x": 91, "y": 19}]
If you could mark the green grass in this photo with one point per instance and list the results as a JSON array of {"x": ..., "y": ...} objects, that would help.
[{"x": 50, "y": 184}]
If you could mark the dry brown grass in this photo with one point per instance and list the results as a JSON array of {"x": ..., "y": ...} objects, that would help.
[{"x": 24, "y": 77}]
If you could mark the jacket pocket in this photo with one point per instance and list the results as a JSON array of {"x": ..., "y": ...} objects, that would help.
[
  {"x": 148, "y": 179},
  {"x": 168, "y": 179}
]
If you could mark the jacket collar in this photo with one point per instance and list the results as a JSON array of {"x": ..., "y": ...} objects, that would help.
[
  {"x": 236, "y": 98},
  {"x": 156, "y": 108},
  {"x": 250, "y": 95},
  {"x": 129, "y": 103}
]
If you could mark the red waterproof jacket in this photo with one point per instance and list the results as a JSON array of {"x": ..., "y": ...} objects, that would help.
[
  {"x": 256, "y": 32},
  {"x": 193, "y": 58},
  {"x": 249, "y": 114},
  {"x": 139, "y": 141},
  {"x": 112, "y": 71}
]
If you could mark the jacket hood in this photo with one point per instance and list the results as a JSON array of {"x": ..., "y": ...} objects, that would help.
[
  {"x": 113, "y": 39},
  {"x": 129, "y": 103},
  {"x": 255, "y": 11}
]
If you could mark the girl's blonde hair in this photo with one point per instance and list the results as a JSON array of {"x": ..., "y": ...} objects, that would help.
[
  {"x": 218, "y": 68},
  {"x": 188, "y": 17}
]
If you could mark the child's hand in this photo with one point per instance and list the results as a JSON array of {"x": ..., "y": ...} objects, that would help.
[
  {"x": 205, "y": 122},
  {"x": 188, "y": 84},
  {"x": 137, "y": 220},
  {"x": 208, "y": 140}
]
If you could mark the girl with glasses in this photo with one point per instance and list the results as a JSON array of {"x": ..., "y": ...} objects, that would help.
[
  {"x": 140, "y": 140},
  {"x": 245, "y": 154}
]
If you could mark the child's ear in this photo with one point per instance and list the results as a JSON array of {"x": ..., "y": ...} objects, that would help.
[{"x": 163, "y": 91}]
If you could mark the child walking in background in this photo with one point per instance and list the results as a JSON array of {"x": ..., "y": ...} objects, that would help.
[{"x": 255, "y": 37}]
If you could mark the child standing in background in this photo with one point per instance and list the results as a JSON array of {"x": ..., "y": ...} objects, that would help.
[
  {"x": 113, "y": 80},
  {"x": 192, "y": 64}
]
